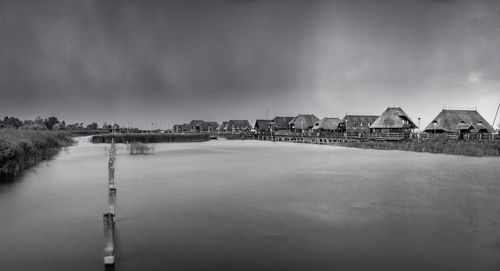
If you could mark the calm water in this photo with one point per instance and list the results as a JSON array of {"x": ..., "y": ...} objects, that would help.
[{"x": 247, "y": 205}]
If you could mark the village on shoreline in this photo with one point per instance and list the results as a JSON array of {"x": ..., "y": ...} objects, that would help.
[
  {"x": 453, "y": 131},
  {"x": 392, "y": 125}
]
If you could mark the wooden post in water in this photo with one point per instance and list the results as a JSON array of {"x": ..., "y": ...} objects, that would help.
[
  {"x": 112, "y": 200},
  {"x": 111, "y": 172},
  {"x": 109, "y": 239},
  {"x": 108, "y": 218}
]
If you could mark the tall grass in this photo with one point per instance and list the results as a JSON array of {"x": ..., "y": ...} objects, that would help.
[
  {"x": 149, "y": 138},
  {"x": 446, "y": 147},
  {"x": 21, "y": 149}
]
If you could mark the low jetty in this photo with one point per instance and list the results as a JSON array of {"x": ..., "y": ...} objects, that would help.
[
  {"x": 149, "y": 138},
  {"x": 22, "y": 149}
]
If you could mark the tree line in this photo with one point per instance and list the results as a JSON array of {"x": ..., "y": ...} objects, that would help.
[{"x": 51, "y": 123}]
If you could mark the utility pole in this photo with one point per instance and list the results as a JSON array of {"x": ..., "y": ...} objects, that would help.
[{"x": 495, "y": 119}]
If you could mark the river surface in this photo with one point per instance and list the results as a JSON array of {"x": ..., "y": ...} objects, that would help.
[{"x": 250, "y": 205}]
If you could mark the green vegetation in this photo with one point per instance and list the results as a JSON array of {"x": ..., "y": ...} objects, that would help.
[
  {"x": 446, "y": 147},
  {"x": 149, "y": 138},
  {"x": 21, "y": 149}
]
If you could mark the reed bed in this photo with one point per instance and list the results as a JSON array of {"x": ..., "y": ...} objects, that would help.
[
  {"x": 22, "y": 149},
  {"x": 446, "y": 147},
  {"x": 149, "y": 138}
]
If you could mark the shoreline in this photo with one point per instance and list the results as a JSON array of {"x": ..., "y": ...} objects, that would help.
[{"x": 462, "y": 148}]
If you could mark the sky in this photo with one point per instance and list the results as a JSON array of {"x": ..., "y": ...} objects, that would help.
[{"x": 166, "y": 62}]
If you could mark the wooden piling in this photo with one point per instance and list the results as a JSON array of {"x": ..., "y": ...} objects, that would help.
[
  {"x": 111, "y": 173},
  {"x": 112, "y": 200},
  {"x": 109, "y": 239}
]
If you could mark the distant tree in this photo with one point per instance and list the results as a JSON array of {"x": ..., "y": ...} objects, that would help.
[
  {"x": 39, "y": 120},
  {"x": 11, "y": 122},
  {"x": 50, "y": 122},
  {"x": 93, "y": 126}
]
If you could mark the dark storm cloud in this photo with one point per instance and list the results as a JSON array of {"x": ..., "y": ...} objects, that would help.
[{"x": 221, "y": 59}]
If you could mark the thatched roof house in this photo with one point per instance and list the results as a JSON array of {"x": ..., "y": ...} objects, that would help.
[
  {"x": 193, "y": 125},
  {"x": 393, "y": 120},
  {"x": 262, "y": 125},
  {"x": 207, "y": 126},
  {"x": 327, "y": 124},
  {"x": 281, "y": 123},
  {"x": 239, "y": 125},
  {"x": 459, "y": 121},
  {"x": 357, "y": 123},
  {"x": 303, "y": 122}
]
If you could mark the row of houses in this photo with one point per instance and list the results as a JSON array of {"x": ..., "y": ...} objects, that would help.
[
  {"x": 393, "y": 122},
  {"x": 200, "y": 126}
]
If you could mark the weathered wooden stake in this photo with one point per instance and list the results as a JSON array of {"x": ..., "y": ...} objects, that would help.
[
  {"x": 112, "y": 200},
  {"x": 109, "y": 240},
  {"x": 111, "y": 173}
]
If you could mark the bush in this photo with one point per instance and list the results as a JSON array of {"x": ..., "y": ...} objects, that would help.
[{"x": 21, "y": 149}]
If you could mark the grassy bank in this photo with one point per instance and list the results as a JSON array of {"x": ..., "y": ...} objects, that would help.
[
  {"x": 150, "y": 138},
  {"x": 446, "y": 147},
  {"x": 22, "y": 149}
]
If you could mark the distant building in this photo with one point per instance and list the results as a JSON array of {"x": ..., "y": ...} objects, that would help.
[
  {"x": 459, "y": 122},
  {"x": 280, "y": 124},
  {"x": 181, "y": 128},
  {"x": 302, "y": 122},
  {"x": 394, "y": 123},
  {"x": 238, "y": 126},
  {"x": 207, "y": 126},
  {"x": 194, "y": 124},
  {"x": 328, "y": 125},
  {"x": 262, "y": 126},
  {"x": 357, "y": 125}
]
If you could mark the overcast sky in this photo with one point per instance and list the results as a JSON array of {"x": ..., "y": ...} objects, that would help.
[{"x": 173, "y": 61}]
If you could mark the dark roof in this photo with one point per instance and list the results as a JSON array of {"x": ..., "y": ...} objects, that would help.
[
  {"x": 393, "y": 117},
  {"x": 195, "y": 122},
  {"x": 328, "y": 124},
  {"x": 303, "y": 121},
  {"x": 239, "y": 124},
  {"x": 365, "y": 120},
  {"x": 262, "y": 124},
  {"x": 205, "y": 124},
  {"x": 281, "y": 123},
  {"x": 453, "y": 120}
]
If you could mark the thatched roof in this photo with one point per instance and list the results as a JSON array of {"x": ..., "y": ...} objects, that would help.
[
  {"x": 195, "y": 123},
  {"x": 205, "y": 125},
  {"x": 327, "y": 124},
  {"x": 393, "y": 117},
  {"x": 303, "y": 121},
  {"x": 359, "y": 121},
  {"x": 239, "y": 125},
  {"x": 262, "y": 125},
  {"x": 451, "y": 121},
  {"x": 281, "y": 123}
]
